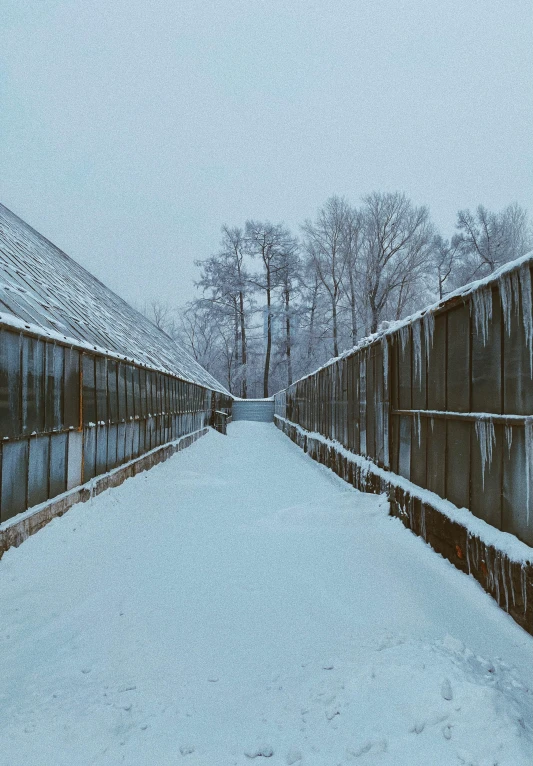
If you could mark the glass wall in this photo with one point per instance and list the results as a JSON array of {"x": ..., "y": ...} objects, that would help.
[{"x": 67, "y": 416}]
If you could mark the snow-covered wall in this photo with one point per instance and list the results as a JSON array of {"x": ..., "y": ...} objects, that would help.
[
  {"x": 86, "y": 382},
  {"x": 443, "y": 399}
]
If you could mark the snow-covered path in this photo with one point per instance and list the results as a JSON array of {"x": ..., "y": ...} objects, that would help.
[{"x": 237, "y": 601}]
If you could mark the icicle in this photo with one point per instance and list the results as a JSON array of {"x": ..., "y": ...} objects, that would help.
[
  {"x": 419, "y": 427},
  {"x": 523, "y": 582},
  {"x": 432, "y": 421},
  {"x": 417, "y": 350},
  {"x": 475, "y": 558},
  {"x": 428, "y": 323},
  {"x": 510, "y": 566},
  {"x": 505, "y": 285},
  {"x": 486, "y": 438},
  {"x": 529, "y": 463},
  {"x": 496, "y": 578},
  {"x": 404, "y": 336},
  {"x": 385, "y": 352},
  {"x": 468, "y": 552},
  {"x": 515, "y": 287},
  {"x": 423, "y": 522},
  {"x": 524, "y": 276},
  {"x": 505, "y": 588},
  {"x": 509, "y": 438},
  {"x": 481, "y": 308}
]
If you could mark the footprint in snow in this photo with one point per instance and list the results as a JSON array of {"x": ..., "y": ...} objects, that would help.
[
  {"x": 370, "y": 745},
  {"x": 187, "y": 749},
  {"x": 262, "y": 751},
  {"x": 446, "y": 689}
]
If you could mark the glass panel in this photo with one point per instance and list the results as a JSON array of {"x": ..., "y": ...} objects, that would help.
[
  {"x": 74, "y": 458},
  {"x": 10, "y": 409},
  {"x": 14, "y": 478},
  {"x": 142, "y": 393},
  {"x": 112, "y": 447},
  {"x": 121, "y": 442},
  {"x": 486, "y": 362},
  {"x": 101, "y": 450},
  {"x": 32, "y": 385},
  {"x": 101, "y": 389},
  {"x": 54, "y": 387},
  {"x": 137, "y": 391},
  {"x": 38, "y": 471},
  {"x": 89, "y": 453},
  {"x": 112, "y": 390},
  {"x": 458, "y": 463},
  {"x": 89, "y": 390},
  {"x": 458, "y": 373},
  {"x": 121, "y": 392},
  {"x": 72, "y": 388},
  {"x": 129, "y": 392},
  {"x": 58, "y": 464}
]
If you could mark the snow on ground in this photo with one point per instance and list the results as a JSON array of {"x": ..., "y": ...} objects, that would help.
[{"x": 240, "y": 603}]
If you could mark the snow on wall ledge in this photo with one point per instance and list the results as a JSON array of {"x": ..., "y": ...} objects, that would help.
[{"x": 501, "y": 563}]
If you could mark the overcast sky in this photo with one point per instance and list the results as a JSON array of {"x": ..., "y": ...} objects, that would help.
[{"x": 130, "y": 131}]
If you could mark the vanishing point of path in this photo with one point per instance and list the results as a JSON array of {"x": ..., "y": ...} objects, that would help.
[{"x": 240, "y": 604}]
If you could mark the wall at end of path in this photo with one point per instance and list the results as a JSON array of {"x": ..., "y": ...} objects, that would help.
[{"x": 260, "y": 410}]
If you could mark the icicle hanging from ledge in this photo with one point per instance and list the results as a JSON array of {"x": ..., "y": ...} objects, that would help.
[
  {"x": 486, "y": 437},
  {"x": 515, "y": 287},
  {"x": 417, "y": 350},
  {"x": 404, "y": 336},
  {"x": 527, "y": 309},
  {"x": 428, "y": 321},
  {"x": 481, "y": 309},
  {"x": 508, "y": 285},
  {"x": 529, "y": 463},
  {"x": 385, "y": 352},
  {"x": 509, "y": 438}
]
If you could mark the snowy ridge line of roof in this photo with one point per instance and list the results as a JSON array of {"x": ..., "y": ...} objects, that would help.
[
  {"x": 394, "y": 326},
  {"x": 506, "y": 542},
  {"x": 46, "y": 293}
]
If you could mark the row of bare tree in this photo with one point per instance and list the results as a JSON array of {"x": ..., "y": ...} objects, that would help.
[{"x": 273, "y": 307}]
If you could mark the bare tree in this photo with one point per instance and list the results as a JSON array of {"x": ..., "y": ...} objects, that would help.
[
  {"x": 289, "y": 279},
  {"x": 225, "y": 283},
  {"x": 163, "y": 315},
  {"x": 325, "y": 245},
  {"x": 396, "y": 253},
  {"x": 351, "y": 251},
  {"x": 269, "y": 243},
  {"x": 486, "y": 240},
  {"x": 445, "y": 258},
  {"x": 198, "y": 333}
]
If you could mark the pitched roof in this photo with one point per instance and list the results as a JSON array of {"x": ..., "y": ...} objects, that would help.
[{"x": 44, "y": 291}]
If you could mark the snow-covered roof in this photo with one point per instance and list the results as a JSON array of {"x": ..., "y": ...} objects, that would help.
[{"x": 45, "y": 292}]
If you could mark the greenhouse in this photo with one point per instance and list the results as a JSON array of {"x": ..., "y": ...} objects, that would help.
[{"x": 87, "y": 383}]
